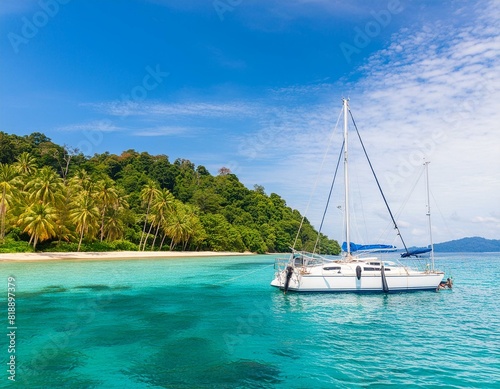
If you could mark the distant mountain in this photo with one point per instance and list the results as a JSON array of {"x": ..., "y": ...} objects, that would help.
[{"x": 473, "y": 244}]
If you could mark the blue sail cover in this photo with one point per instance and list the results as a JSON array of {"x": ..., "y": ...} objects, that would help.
[
  {"x": 368, "y": 247},
  {"x": 415, "y": 251}
]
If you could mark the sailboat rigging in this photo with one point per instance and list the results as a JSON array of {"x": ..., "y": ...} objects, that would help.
[
  {"x": 358, "y": 269},
  {"x": 416, "y": 251}
]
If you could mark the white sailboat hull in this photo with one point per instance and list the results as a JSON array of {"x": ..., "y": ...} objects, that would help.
[
  {"x": 343, "y": 278},
  {"x": 355, "y": 272}
]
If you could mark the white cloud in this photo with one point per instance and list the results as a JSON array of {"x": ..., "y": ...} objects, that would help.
[
  {"x": 195, "y": 108},
  {"x": 445, "y": 85},
  {"x": 432, "y": 93},
  {"x": 486, "y": 219},
  {"x": 104, "y": 125},
  {"x": 164, "y": 131}
]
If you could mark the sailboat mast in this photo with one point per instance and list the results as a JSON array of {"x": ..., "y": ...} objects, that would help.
[
  {"x": 426, "y": 163},
  {"x": 346, "y": 182}
]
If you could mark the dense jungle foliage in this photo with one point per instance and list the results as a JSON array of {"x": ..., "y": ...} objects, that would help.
[{"x": 54, "y": 198}]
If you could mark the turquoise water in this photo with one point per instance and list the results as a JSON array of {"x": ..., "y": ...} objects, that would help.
[{"x": 216, "y": 323}]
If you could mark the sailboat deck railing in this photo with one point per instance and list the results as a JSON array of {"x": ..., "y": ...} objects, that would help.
[{"x": 300, "y": 259}]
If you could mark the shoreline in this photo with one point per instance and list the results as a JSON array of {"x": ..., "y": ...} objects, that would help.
[{"x": 110, "y": 255}]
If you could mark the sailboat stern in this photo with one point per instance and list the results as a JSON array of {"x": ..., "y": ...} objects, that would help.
[
  {"x": 287, "y": 279},
  {"x": 288, "y": 272}
]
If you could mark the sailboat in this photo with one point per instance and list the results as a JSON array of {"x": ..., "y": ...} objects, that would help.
[{"x": 359, "y": 268}]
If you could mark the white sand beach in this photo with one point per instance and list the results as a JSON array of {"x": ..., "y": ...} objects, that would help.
[{"x": 110, "y": 255}]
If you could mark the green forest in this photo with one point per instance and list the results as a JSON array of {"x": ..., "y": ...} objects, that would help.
[{"x": 54, "y": 198}]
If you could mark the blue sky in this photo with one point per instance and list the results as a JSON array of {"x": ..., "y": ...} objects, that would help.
[{"x": 256, "y": 86}]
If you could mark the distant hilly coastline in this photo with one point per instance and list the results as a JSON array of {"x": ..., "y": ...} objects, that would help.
[{"x": 474, "y": 244}]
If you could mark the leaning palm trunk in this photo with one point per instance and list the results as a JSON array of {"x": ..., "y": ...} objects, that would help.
[
  {"x": 102, "y": 223},
  {"x": 162, "y": 241},
  {"x": 156, "y": 235},
  {"x": 145, "y": 223},
  {"x": 62, "y": 219},
  {"x": 146, "y": 237},
  {"x": 81, "y": 238}
]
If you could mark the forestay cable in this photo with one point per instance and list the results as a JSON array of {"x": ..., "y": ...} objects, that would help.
[{"x": 317, "y": 180}]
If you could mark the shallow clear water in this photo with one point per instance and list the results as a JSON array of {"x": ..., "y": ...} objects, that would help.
[{"x": 216, "y": 323}]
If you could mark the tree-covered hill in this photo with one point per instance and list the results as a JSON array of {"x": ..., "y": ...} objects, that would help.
[
  {"x": 469, "y": 245},
  {"x": 54, "y": 198}
]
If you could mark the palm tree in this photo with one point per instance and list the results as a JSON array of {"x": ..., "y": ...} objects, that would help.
[
  {"x": 82, "y": 181},
  {"x": 178, "y": 226},
  {"x": 107, "y": 197},
  {"x": 46, "y": 187},
  {"x": 194, "y": 227},
  {"x": 162, "y": 206},
  {"x": 8, "y": 181},
  {"x": 26, "y": 164},
  {"x": 116, "y": 219},
  {"x": 198, "y": 233},
  {"x": 85, "y": 215},
  {"x": 114, "y": 224},
  {"x": 148, "y": 194},
  {"x": 63, "y": 209},
  {"x": 39, "y": 221}
]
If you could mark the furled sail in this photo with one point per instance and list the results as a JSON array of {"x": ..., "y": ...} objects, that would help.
[
  {"x": 415, "y": 251},
  {"x": 368, "y": 247}
]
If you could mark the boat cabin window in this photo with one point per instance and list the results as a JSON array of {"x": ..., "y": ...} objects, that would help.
[
  {"x": 374, "y": 269},
  {"x": 374, "y": 263},
  {"x": 332, "y": 268},
  {"x": 299, "y": 261}
]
